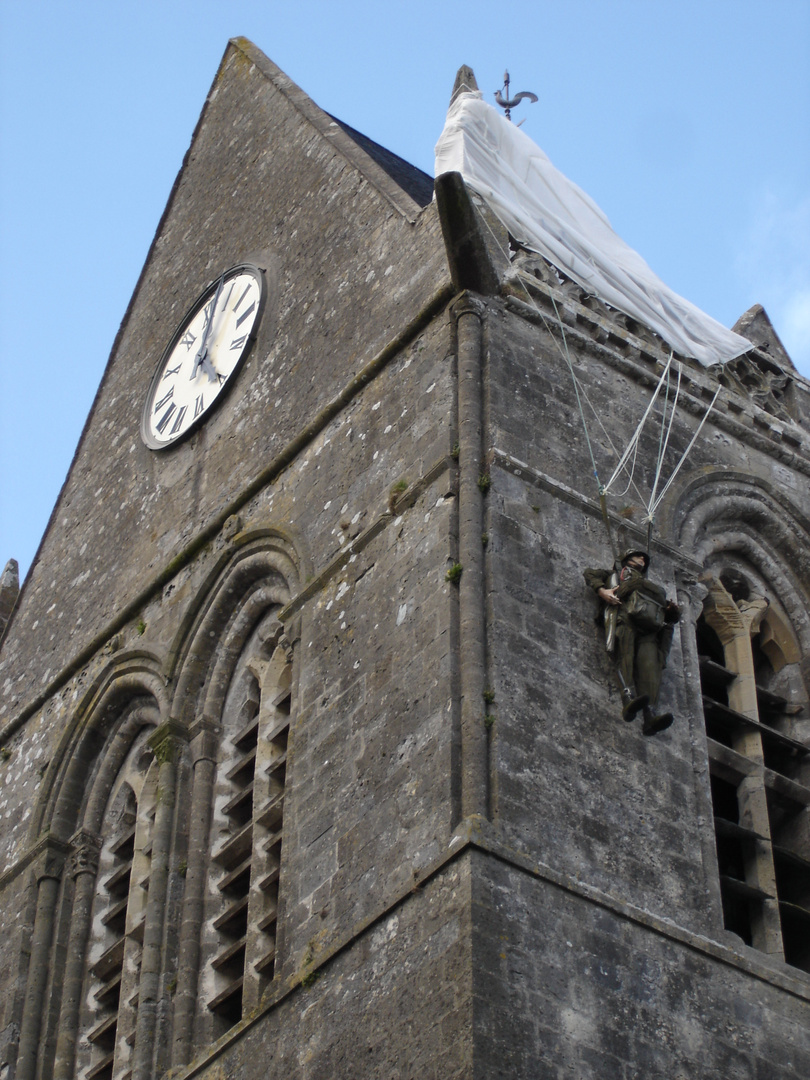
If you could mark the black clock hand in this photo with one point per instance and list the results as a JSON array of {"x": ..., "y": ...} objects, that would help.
[
  {"x": 206, "y": 365},
  {"x": 201, "y": 359}
]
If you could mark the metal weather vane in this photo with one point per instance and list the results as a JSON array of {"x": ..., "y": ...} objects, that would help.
[{"x": 507, "y": 103}]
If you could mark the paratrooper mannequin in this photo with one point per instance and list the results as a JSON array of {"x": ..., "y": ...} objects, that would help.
[{"x": 639, "y": 622}]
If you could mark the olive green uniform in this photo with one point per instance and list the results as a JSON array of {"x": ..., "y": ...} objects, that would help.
[{"x": 642, "y": 646}]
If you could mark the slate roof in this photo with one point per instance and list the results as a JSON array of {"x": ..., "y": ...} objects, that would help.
[{"x": 411, "y": 179}]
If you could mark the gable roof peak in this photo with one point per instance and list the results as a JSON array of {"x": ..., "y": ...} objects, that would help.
[
  {"x": 755, "y": 324},
  {"x": 405, "y": 186}
]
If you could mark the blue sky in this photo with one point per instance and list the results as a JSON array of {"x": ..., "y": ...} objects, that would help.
[{"x": 688, "y": 123}]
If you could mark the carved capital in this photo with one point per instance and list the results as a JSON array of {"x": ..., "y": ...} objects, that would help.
[
  {"x": 691, "y": 596},
  {"x": 167, "y": 741},
  {"x": 50, "y": 860},
  {"x": 722, "y": 614},
  {"x": 468, "y": 304},
  {"x": 84, "y": 856},
  {"x": 753, "y": 611}
]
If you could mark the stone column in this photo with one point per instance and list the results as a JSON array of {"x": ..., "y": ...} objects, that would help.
[
  {"x": 165, "y": 742},
  {"x": 468, "y": 312},
  {"x": 204, "y": 746},
  {"x": 83, "y": 869},
  {"x": 48, "y": 872}
]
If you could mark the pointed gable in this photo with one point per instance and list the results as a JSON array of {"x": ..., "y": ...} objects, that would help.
[{"x": 350, "y": 249}]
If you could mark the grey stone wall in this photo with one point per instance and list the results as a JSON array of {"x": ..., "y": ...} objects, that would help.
[
  {"x": 397, "y": 1004},
  {"x": 17, "y": 898},
  {"x": 586, "y": 990},
  {"x": 374, "y": 723},
  {"x": 571, "y": 782}
]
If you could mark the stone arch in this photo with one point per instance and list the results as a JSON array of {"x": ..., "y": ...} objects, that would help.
[
  {"x": 126, "y": 699},
  {"x": 743, "y": 521},
  {"x": 97, "y": 736},
  {"x": 752, "y": 642},
  {"x": 264, "y": 570},
  {"x": 777, "y": 641},
  {"x": 234, "y": 616}
]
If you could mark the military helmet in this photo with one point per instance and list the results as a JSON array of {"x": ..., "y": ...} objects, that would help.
[{"x": 636, "y": 551}]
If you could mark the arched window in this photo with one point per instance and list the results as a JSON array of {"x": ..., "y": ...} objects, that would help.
[
  {"x": 757, "y": 727},
  {"x": 234, "y": 695},
  {"x": 159, "y": 928},
  {"x": 239, "y": 934},
  {"x": 96, "y": 807},
  {"x": 109, "y": 1008}
]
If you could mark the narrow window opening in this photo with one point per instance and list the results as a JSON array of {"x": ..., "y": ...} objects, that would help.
[
  {"x": 234, "y": 857},
  {"x": 116, "y": 938},
  {"x": 754, "y": 705},
  {"x": 108, "y": 969},
  {"x": 248, "y": 852}
]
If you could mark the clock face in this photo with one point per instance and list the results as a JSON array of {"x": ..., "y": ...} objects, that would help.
[{"x": 203, "y": 356}]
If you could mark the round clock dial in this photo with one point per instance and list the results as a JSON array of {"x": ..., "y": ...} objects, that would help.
[{"x": 203, "y": 356}]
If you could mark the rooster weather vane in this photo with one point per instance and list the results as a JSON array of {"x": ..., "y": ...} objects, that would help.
[{"x": 507, "y": 103}]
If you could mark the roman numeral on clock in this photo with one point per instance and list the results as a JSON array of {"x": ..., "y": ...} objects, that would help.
[
  {"x": 159, "y": 404},
  {"x": 199, "y": 405},
  {"x": 238, "y": 342},
  {"x": 188, "y": 339},
  {"x": 172, "y": 370},
  {"x": 245, "y": 314},
  {"x": 179, "y": 420},
  {"x": 242, "y": 297},
  {"x": 164, "y": 420}
]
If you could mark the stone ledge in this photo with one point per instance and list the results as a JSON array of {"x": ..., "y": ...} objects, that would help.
[
  {"x": 771, "y": 432},
  {"x": 589, "y": 506},
  {"x": 485, "y": 836}
]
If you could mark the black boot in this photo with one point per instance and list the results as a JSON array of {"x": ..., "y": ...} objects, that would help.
[
  {"x": 653, "y": 724},
  {"x": 632, "y": 705}
]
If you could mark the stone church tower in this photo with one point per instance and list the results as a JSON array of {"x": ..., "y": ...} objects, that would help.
[{"x": 312, "y": 756}]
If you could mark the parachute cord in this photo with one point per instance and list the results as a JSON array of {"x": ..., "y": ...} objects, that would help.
[
  {"x": 580, "y": 394},
  {"x": 633, "y": 445},
  {"x": 578, "y": 391},
  {"x": 663, "y": 422},
  {"x": 575, "y": 381},
  {"x": 664, "y": 440},
  {"x": 686, "y": 452},
  {"x": 606, "y": 519},
  {"x": 637, "y": 434},
  {"x": 630, "y": 481}
]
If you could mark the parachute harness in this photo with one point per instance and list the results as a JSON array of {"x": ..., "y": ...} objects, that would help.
[{"x": 630, "y": 453}]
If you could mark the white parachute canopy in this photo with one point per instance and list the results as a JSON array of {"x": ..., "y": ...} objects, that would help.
[{"x": 549, "y": 214}]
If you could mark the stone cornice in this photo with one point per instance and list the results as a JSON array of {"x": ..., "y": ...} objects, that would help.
[{"x": 641, "y": 360}]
